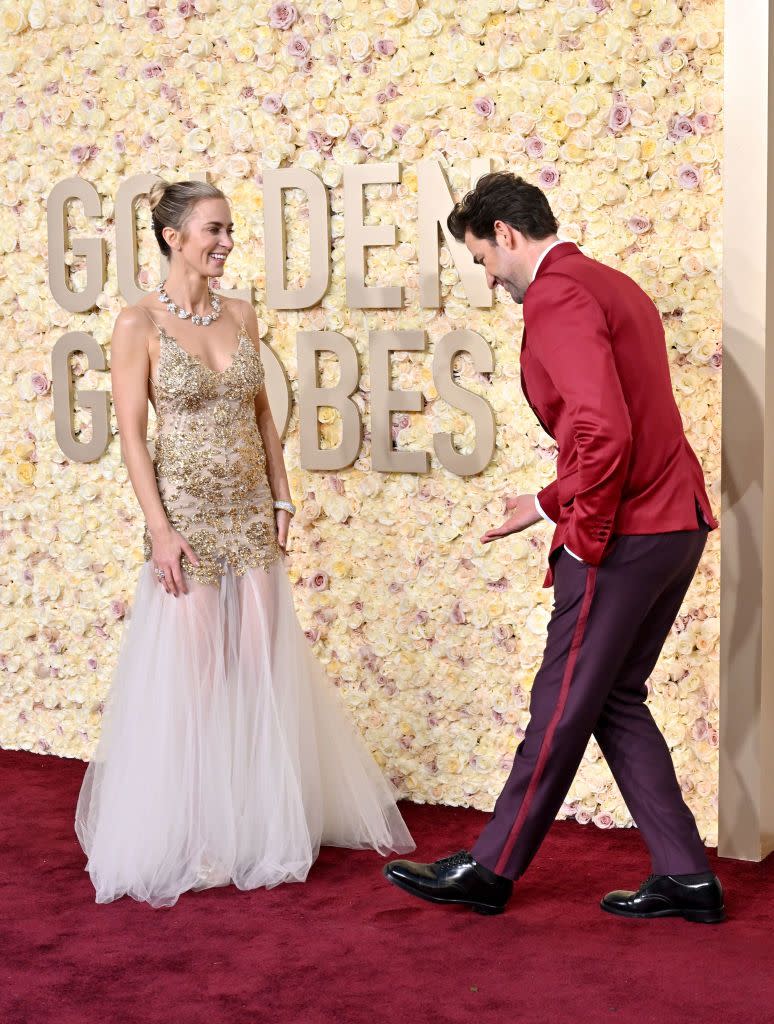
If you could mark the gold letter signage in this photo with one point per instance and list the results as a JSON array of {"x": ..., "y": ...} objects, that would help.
[{"x": 434, "y": 203}]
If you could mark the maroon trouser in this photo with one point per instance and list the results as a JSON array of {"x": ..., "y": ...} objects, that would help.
[{"x": 604, "y": 637}]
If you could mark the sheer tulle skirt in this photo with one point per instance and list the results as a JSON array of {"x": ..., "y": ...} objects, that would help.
[{"x": 226, "y": 754}]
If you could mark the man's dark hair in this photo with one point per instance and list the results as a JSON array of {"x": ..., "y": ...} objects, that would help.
[{"x": 502, "y": 196}]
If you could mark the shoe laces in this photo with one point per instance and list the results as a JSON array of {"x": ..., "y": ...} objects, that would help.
[
  {"x": 648, "y": 880},
  {"x": 456, "y": 860}
]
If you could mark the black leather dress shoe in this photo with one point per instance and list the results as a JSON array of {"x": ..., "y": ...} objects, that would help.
[
  {"x": 455, "y": 879},
  {"x": 665, "y": 896}
]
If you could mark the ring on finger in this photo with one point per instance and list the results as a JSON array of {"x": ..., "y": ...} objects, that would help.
[{"x": 160, "y": 573}]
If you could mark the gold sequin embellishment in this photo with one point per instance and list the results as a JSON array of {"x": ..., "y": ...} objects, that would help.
[{"x": 210, "y": 461}]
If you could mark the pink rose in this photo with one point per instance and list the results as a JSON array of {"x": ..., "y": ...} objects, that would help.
[
  {"x": 392, "y": 91},
  {"x": 598, "y": 5},
  {"x": 699, "y": 729},
  {"x": 483, "y": 106},
  {"x": 320, "y": 142},
  {"x": 548, "y": 177},
  {"x": 319, "y": 581},
  {"x": 80, "y": 154},
  {"x": 153, "y": 69},
  {"x": 156, "y": 23},
  {"x": 381, "y": 97},
  {"x": 688, "y": 176},
  {"x": 716, "y": 359},
  {"x": 389, "y": 687},
  {"x": 118, "y": 608},
  {"x": 185, "y": 8},
  {"x": 385, "y": 47},
  {"x": 457, "y": 614},
  {"x": 570, "y": 43},
  {"x": 639, "y": 225},
  {"x": 272, "y": 103},
  {"x": 535, "y": 147},
  {"x": 92, "y": 663},
  {"x": 620, "y": 115},
  {"x": 312, "y": 635},
  {"x": 399, "y": 422},
  {"x": 582, "y": 817},
  {"x": 603, "y": 820},
  {"x": 51, "y": 89},
  {"x": 680, "y": 128},
  {"x": 41, "y": 385},
  {"x": 666, "y": 45},
  {"x": 282, "y": 15},
  {"x": 501, "y": 584},
  {"x": 398, "y": 131},
  {"x": 703, "y": 123},
  {"x": 298, "y": 48},
  {"x": 355, "y": 137}
]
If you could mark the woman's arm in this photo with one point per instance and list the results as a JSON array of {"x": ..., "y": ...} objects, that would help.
[
  {"x": 129, "y": 372},
  {"x": 275, "y": 462}
]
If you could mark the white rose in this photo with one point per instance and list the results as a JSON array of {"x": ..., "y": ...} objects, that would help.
[
  {"x": 400, "y": 63},
  {"x": 337, "y": 125},
  {"x": 359, "y": 46},
  {"x": 509, "y": 57},
  {"x": 426, "y": 23},
  {"x": 415, "y": 136},
  {"x": 174, "y": 26},
  {"x": 237, "y": 166},
  {"x": 310, "y": 161},
  {"x": 331, "y": 175},
  {"x": 13, "y": 20},
  {"x": 200, "y": 47},
  {"x": 271, "y": 156},
  {"x": 439, "y": 72},
  {"x": 402, "y": 9},
  {"x": 198, "y": 140},
  {"x": 37, "y": 15}
]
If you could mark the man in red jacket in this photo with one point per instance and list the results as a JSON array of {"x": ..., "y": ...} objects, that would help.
[{"x": 631, "y": 517}]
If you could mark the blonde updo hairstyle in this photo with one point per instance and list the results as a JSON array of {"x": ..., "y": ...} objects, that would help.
[{"x": 173, "y": 202}]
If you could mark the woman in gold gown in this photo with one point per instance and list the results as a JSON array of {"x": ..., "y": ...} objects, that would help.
[{"x": 226, "y": 754}]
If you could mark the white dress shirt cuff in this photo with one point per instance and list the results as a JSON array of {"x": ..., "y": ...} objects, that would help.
[{"x": 540, "y": 512}]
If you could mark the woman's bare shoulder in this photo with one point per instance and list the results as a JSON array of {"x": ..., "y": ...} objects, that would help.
[{"x": 138, "y": 316}]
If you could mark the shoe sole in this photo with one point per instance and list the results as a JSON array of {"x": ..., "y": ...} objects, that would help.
[
  {"x": 479, "y": 908},
  {"x": 697, "y": 916}
]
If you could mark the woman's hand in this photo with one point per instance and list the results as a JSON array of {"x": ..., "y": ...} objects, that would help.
[
  {"x": 524, "y": 514},
  {"x": 168, "y": 548},
  {"x": 283, "y": 518}
]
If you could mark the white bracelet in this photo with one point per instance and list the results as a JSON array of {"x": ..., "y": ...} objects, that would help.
[{"x": 286, "y": 506}]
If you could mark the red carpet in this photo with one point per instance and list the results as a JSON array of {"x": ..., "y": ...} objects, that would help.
[{"x": 347, "y": 948}]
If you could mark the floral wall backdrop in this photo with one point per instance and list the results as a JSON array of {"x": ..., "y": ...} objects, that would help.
[{"x": 612, "y": 106}]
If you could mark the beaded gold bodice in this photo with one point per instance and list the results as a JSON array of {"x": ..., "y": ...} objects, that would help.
[{"x": 210, "y": 461}]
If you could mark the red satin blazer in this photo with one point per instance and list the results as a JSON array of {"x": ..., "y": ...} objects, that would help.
[{"x": 594, "y": 369}]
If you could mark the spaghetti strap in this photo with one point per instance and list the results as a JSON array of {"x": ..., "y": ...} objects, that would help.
[{"x": 155, "y": 324}]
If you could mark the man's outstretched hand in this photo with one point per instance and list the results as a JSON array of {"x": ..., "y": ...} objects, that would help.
[{"x": 524, "y": 514}]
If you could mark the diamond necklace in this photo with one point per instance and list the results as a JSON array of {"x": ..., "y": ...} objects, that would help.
[{"x": 184, "y": 314}]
